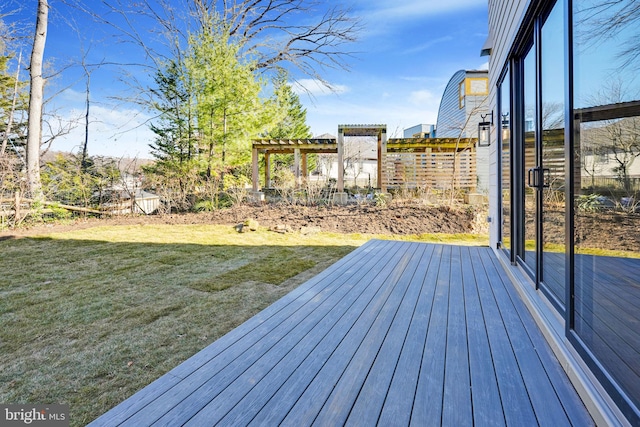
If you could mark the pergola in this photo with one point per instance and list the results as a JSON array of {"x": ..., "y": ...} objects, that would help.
[
  {"x": 440, "y": 151},
  {"x": 300, "y": 148},
  {"x": 379, "y": 131}
]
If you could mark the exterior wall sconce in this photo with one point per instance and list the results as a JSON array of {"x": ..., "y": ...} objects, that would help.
[
  {"x": 484, "y": 130},
  {"x": 505, "y": 127}
]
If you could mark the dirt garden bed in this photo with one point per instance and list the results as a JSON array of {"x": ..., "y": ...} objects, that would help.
[{"x": 364, "y": 218}]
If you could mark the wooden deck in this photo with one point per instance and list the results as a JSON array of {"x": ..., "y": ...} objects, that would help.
[{"x": 394, "y": 334}]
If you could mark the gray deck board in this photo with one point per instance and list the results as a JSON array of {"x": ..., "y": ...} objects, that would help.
[
  {"x": 547, "y": 407},
  {"x": 395, "y": 333},
  {"x": 486, "y": 395}
]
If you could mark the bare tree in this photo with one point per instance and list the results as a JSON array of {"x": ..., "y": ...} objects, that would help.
[
  {"x": 612, "y": 20},
  {"x": 614, "y": 142},
  {"x": 271, "y": 31},
  {"x": 36, "y": 95}
]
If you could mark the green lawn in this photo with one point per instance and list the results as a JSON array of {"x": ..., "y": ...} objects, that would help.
[{"x": 91, "y": 316}]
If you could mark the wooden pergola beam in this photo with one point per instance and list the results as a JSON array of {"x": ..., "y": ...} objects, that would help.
[{"x": 300, "y": 148}]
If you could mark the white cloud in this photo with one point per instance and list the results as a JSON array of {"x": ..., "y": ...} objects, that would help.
[
  {"x": 421, "y": 97},
  {"x": 393, "y": 9},
  {"x": 316, "y": 88},
  {"x": 427, "y": 45}
]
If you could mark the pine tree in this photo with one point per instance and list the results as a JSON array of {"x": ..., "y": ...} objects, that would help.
[
  {"x": 293, "y": 125},
  {"x": 229, "y": 108},
  {"x": 175, "y": 134}
]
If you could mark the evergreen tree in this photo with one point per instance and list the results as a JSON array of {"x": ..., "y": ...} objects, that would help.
[
  {"x": 175, "y": 134},
  {"x": 293, "y": 125},
  {"x": 13, "y": 105},
  {"x": 229, "y": 108}
]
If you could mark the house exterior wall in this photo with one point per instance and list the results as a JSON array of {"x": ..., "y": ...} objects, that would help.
[
  {"x": 569, "y": 240},
  {"x": 505, "y": 18},
  {"x": 451, "y": 118},
  {"x": 420, "y": 131},
  {"x": 464, "y": 101}
]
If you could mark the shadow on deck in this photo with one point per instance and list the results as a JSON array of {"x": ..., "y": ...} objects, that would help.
[{"x": 395, "y": 333}]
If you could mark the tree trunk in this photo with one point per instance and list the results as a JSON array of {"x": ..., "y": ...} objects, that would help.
[
  {"x": 85, "y": 150},
  {"x": 5, "y": 140},
  {"x": 36, "y": 95}
]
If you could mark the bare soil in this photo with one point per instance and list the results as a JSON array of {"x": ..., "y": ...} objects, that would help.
[
  {"x": 604, "y": 230},
  {"x": 365, "y": 219}
]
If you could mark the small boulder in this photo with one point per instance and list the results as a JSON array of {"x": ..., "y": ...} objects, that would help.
[
  {"x": 308, "y": 230},
  {"x": 251, "y": 224},
  {"x": 281, "y": 228}
]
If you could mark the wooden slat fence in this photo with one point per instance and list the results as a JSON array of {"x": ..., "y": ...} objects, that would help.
[{"x": 430, "y": 170}]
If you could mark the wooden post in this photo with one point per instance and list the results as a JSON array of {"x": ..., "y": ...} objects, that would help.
[
  {"x": 16, "y": 218},
  {"x": 267, "y": 170},
  {"x": 382, "y": 157},
  {"x": 256, "y": 171},
  {"x": 305, "y": 168},
  {"x": 296, "y": 166},
  {"x": 340, "y": 161}
]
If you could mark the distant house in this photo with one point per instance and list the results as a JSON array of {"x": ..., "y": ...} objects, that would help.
[
  {"x": 127, "y": 197},
  {"x": 420, "y": 131},
  {"x": 463, "y": 103}
]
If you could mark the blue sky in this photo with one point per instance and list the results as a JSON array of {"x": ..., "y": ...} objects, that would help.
[{"x": 406, "y": 54}]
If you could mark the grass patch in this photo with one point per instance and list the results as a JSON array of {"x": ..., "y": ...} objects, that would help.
[
  {"x": 274, "y": 268},
  {"x": 91, "y": 316}
]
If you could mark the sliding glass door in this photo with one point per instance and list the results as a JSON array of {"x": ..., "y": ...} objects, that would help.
[
  {"x": 504, "y": 108},
  {"x": 528, "y": 162},
  {"x": 551, "y": 150},
  {"x": 569, "y": 110},
  {"x": 541, "y": 157},
  {"x": 605, "y": 320}
]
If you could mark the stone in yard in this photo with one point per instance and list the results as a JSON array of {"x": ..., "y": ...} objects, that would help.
[
  {"x": 281, "y": 228},
  {"x": 309, "y": 230},
  {"x": 251, "y": 224}
]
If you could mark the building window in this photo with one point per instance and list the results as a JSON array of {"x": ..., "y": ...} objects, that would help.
[
  {"x": 477, "y": 86},
  {"x": 461, "y": 93}
]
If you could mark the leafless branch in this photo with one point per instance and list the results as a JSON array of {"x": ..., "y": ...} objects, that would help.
[{"x": 609, "y": 20}]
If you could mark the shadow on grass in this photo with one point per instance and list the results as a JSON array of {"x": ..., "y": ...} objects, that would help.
[{"x": 89, "y": 322}]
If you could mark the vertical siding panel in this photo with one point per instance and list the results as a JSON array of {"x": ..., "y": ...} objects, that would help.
[{"x": 504, "y": 20}]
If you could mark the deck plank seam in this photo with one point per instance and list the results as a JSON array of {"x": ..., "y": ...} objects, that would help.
[
  {"x": 428, "y": 250},
  {"x": 421, "y": 250},
  {"x": 513, "y": 310},
  {"x": 328, "y": 356},
  {"x": 393, "y": 279},
  {"x": 284, "y": 321},
  {"x": 491, "y": 311},
  {"x": 318, "y": 323}
]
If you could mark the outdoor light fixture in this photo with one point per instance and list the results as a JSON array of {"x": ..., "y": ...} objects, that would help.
[
  {"x": 505, "y": 127},
  {"x": 484, "y": 130}
]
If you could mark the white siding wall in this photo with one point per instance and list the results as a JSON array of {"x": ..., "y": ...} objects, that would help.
[
  {"x": 505, "y": 18},
  {"x": 454, "y": 121}
]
